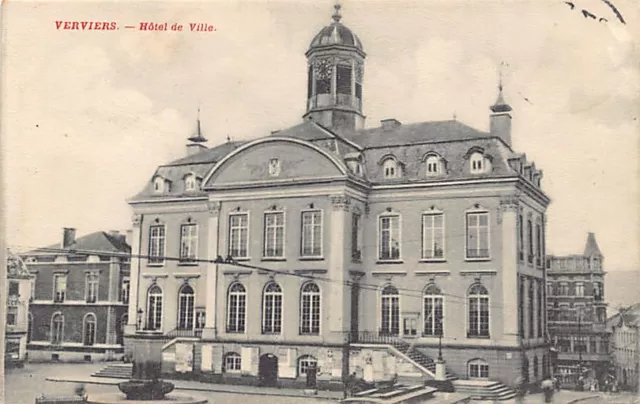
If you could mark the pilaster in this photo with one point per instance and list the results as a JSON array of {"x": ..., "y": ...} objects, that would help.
[
  {"x": 209, "y": 331},
  {"x": 134, "y": 277},
  {"x": 509, "y": 230},
  {"x": 338, "y": 292}
]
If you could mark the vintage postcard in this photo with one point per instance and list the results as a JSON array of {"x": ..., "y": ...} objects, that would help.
[{"x": 358, "y": 201}]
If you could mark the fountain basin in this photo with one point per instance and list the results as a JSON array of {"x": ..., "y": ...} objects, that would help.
[
  {"x": 145, "y": 389},
  {"x": 119, "y": 398}
]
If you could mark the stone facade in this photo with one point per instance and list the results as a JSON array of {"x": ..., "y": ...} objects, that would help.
[
  {"x": 577, "y": 313},
  {"x": 326, "y": 236}
]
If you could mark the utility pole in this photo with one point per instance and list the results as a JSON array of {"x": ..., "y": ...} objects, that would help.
[{"x": 580, "y": 345}]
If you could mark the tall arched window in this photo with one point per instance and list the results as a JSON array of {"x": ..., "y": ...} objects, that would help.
[
  {"x": 186, "y": 303},
  {"x": 433, "y": 310},
  {"x": 236, "y": 308},
  {"x": 89, "y": 329},
  {"x": 310, "y": 309},
  {"x": 154, "y": 308},
  {"x": 272, "y": 309},
  {"x": 390, "y": 311},
  {"x": 57, "y": 328},
  {"x": 478, "y": 325}
]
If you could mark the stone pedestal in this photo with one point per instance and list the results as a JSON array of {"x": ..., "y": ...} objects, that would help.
[{"x": 441, "y": 371}]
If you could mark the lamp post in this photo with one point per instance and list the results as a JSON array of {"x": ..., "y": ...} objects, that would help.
[{"x": 440, "y": 337}]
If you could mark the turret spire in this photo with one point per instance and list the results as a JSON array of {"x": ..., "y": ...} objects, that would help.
[
  {"x": 500, "y": 105},
  {"x": 197, "y": 136}
]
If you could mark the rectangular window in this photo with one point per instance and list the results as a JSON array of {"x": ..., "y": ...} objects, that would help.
[
  {"x": 433, "y": 236},
  {"x": 311, "y": 243},
  {"x": 563, "y": 289},
  {"x": 188, "y": 242},
  {"x": 478, "y": 235},
  {"x": 389, "y": 238},
  {"x": 529, "y": 242},
  {"x": 343, "y": 85},
  {"x": 156, "y": 244},
  {"x": 532, "y": 308},
  {"x": 91, "y": 287},
  {"x": 239, "y": 235},
  {"x": 274, "y": 235},
  {"x": 539, "y": 244},
  {"x": 124, "y": 290},
  {"x": 478, "y": 370},
  {"x": 520, "y": 238},
  {"x": 59, "y": 288},
  {"x": 579, "y": 289},
  {"x": 12, "y": 315},
  {"x": 356, "y": 238},
  {"x": 14, "y": 288}
]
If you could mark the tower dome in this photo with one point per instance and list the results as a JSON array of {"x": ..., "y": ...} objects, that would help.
[
  {"x": 335, "y": 72},
  {"x": 336, "y": 34}
]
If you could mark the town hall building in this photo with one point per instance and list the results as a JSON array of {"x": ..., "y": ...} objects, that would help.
[{"x": 352, "y": 248}]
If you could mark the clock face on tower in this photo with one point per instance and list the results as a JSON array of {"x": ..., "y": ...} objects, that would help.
[{"x": 323, "y": 69}]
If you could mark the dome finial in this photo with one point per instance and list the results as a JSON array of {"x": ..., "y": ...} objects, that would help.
[
  {"x": 500, "y": 104},
  {"x": 336, "y": 15},
  {"x": 197, "y": 136}
]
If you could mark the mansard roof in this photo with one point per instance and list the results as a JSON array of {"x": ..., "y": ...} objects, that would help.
[{"x": 452, "y": 140}]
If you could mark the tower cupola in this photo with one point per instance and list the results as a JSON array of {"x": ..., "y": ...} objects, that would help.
[
  {"x": 196, "y": 140},
  {"x": 335, "y": 71},
  {"x": 500, "y": 120}
]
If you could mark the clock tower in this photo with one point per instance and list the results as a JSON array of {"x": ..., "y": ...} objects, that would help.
[{"x": 335, "y": 72}]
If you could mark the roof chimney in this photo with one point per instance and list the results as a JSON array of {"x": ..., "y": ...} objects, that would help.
[
  {"x": 68, "y": 236},
  {"x": 390, "y": 124}
]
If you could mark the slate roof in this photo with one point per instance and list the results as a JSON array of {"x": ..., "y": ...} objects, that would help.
[
  {"x": 98, "y": 241},
  {"x": 630, "y": 316},
  {"x": 408, "y": 143},
  {"x": 591, "y": 248}
]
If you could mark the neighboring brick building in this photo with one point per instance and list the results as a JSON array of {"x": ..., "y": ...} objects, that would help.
[
  {"x": 80, "y": 296},
  {"x": 625, "y": 345},
  {"x": 17, "y": 315},
  {"x": 347, "y": 240},
  {"x": 577, "y": 313}
]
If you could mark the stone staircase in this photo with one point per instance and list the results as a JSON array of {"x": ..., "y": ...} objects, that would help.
[
  {"x": 420, "y": 358},
  {"x": 484, "y": 390},
  {"x": 115, "y": 371}
]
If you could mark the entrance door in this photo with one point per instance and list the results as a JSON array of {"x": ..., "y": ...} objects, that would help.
[
  {"x": 268, "y": 370},
  {"x": 410, "y": 325}
]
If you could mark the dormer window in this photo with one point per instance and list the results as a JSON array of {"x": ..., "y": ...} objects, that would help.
[
  {"x": 434, "y": 166},
  {"x": 390, "y": 168},
  {"x": 478, "y": 163},
  {"x": 190, "y": 182},
  {"x": 158, "y": 185}
]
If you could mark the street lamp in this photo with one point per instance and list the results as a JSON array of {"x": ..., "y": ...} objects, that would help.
[{"x": 440, "y": 337}]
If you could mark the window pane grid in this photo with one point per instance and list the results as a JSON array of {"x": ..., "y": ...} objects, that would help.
[
  {"x": 272, "y": 314},
  {"x": 433, "y": 315},
  {"x": 238, "y": 235},
  {"x": 311, "y": 234},
  {"x": 389, "y": 238},
  {"x": 432, "y": 236},
  {"x": 478, "y": 235},
  {"x": 236, "y": 309},
  {"x": 274, "y": 235},
  {"x": 310, "y": 310},
  {"x": 156, "y": 244},
  {"x": 188, "y": 242}
]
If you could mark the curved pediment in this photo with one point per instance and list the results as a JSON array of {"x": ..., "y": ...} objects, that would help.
[{"x": 274, "y": 159}]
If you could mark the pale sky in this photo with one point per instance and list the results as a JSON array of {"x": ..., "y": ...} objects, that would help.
[{"x": 88, "y": 115}]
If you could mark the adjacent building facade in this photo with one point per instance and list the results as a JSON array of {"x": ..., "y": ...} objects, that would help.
[
  {"x": 17, "y": 311},
  {"x": 625, "y": 345},
  {"x": 80, "y": 292},
  {"x": 335, "y": 245},
  {"x": 578, "y": 313}
]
